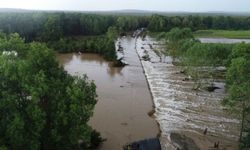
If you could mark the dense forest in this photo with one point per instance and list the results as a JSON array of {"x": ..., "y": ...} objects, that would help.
[
  {"x": 44, "y": 26},
  {"x": 64, "y": 31},
  {"x": 67, "y": 32}
]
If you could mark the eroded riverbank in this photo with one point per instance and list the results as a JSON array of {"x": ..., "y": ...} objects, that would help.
[{"x": 123, "y": 96}]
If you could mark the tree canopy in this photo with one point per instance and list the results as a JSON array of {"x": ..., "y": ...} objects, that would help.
[
  {"x": 42, "y": 107},
  {"x": 238, "y": 84}
]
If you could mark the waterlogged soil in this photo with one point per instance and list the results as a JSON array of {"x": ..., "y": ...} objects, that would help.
[{"x": 123, "y": 96}]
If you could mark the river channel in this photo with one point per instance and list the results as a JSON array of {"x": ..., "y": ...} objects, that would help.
[{"x": 123, "y": 96}]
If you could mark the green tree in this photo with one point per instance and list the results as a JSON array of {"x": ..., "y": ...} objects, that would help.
[
  {"x": 112, "y": 33},
  {"x": 127, "y": 23},
  {"x": 43, "y": 107},
  {"x": 13, "y": 42},
  {"x": 53, "y": 29},
  {"x": 157, "y": 23},
  {"x": 174, "y": 39},
  {"x": 238, "y": 85},
  {"x": 209, "y": 55}
]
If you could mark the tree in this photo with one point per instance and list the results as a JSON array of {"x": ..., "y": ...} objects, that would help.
[
  {"x": 127, "y": 23},
  {"x": 207, "y": 54},
  {"x": 112, "y": 33},
  {"x": 238, "y": 85},
  {"x": 174, "y": 38},
  {"x": 157, "y": 23},
  {"x": 53, "y": 29},
  {"x": 13, "y": 42},
  {"x": 43, "y": 107}
]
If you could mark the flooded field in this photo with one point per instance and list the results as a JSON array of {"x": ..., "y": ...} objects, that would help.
[{"x": 123, "y": 96}]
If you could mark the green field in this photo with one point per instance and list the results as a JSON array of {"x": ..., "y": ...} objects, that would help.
[{"x": 239, "y": 34}]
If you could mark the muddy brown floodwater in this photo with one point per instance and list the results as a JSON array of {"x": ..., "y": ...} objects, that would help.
[{"x": 123, "y": 96}]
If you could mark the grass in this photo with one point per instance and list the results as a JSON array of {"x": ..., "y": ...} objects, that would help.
[
  {"x": 238, "y": 34},
  {"x": 154, "y": 34}
]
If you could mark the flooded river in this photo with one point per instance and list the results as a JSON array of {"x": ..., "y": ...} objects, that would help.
[
  {"x": 124, "y": 99},
  {"x": 123, "y": 96},
  {"x": 196, "y": 115}
]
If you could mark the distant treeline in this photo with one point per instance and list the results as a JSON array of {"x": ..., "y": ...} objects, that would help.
[
  {"x": 64, "y": 31},
  {"x": 53, "y": 26},
  {"x": 46, "y": 26}
]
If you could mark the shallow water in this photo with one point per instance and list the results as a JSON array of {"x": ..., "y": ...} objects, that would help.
[
  {"x": 223, "y": 40},
  {"x": 123, "y": 96},
  {"x": 183, "y": 110}
]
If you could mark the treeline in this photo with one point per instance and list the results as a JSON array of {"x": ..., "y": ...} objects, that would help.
[
  {"x": 46, "y": 26},
  {"x": 52, "y": 26},
  {"x": 61, "y": 30},
  {"x": 64, "y": 32},
  {"x": 159, "y": 23},
  {"x": 95, "y": 44},
  {"x": 71, "y": 31},
  {"x": 206, "y": 61}
]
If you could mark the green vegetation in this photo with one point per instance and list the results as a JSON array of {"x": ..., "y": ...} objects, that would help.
[
  {"x": 157, "y": 23},
  {"x": 42, "y": 107},
  {"x": 65, "y": 32},
  {"x": 200, "y": 61},
  {"x": 92, "y": 44},
  {"x": 46, "y": 26},
  {"x": 238, "y": 84},
  {"x": 55, "y": 28},
  {"x": 207, "y": 54},
  {"x": 174, "y": 39},
  {"x": 127, "y": 23},
  {"x": 239, "y": 34}
]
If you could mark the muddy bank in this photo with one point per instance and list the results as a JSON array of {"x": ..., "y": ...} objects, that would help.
[
  {"x": 123, "y": 96},
  {"x": 179, "y": 109}
]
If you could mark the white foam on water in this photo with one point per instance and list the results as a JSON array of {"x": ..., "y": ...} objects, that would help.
[{"x": 177, "y": 106}]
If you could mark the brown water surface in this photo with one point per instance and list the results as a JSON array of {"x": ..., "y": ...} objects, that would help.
[{"x": 123, "y": 96}]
